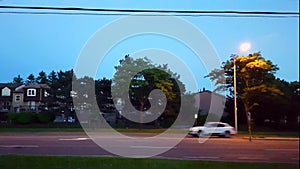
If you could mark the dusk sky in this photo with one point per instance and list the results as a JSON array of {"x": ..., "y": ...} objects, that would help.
[{"x": 31, "y": 43}]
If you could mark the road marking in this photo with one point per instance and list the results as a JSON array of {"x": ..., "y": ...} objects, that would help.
[
  {"x": 74, "y": 139},
  {"x": 281, "y": 150},
  {"x": 151, "y": 147},
  {"x": 203, "y": 157},
  {"x": 19, "y": 146},
  {"x": 251, "y": 158}
]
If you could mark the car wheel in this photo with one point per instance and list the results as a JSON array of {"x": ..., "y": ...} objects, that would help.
[
  {"x": 200, "y": 134},
  {"x": 227, "y": 134}
]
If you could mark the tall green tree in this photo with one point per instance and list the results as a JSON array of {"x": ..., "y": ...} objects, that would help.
[
  {"x": 31, "y": 79},
  {"x": 63, "y": 89},
  {"x": 144, "y": 77},
  {"x": 253, "y": 74},
  {"x": 285, "y": 107},
  {"x": 18, "y": 79},
  {"x": 61, "y": 85},
  {"x": 103, "y": 94},
  {"x": 52, "y": 79},
  {"x": 42, "y": 78}
]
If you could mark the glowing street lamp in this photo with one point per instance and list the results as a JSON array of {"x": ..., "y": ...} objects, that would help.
[{"x": 244, "y": 47}]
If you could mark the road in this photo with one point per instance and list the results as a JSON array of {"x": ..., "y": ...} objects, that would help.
[{"x": 218, "y": 149}]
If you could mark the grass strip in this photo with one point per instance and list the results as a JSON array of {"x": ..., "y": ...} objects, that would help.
[
  {"x": 71, "y": 162},
  {"x": 155, "y": 131},
  {"x": 20, "y": 130}
]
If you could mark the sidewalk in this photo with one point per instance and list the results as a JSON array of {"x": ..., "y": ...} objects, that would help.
[{"x": 274, "y": 138}]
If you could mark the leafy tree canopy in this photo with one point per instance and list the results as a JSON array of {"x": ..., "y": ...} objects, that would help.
[
  {"x": 254, "y": 79},
  {"x": 18, "y": 79},
  {"x": 145, "y": 76},
  {"x": 137, "y": 78}
]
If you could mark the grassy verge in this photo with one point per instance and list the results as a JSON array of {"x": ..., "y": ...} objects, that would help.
[
  {"x": 24, "y": 130},
  {"x": 20, "y": 130},
  {"x": 51, "y": 127},
  {"x": 154, "y": 131},
  {"x": 76, "y": 127},
  {"x": 50, "y": 162}
]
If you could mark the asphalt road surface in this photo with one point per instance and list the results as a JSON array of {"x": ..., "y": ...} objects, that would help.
[{"x": 218, "y": 149}]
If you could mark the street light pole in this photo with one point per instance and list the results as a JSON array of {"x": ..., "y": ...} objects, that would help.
[
  {"x": 234, "y": 88},
  {"x": 244, "y": 47}
]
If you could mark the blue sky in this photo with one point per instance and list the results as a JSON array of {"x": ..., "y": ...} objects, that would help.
[{"x": 31, "y": 43}]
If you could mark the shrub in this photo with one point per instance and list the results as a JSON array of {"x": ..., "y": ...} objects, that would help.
[
  {"x": 23, "y": 117},
  {"x": 12, "y": 117},
  {"x": 45, "y": 117}
]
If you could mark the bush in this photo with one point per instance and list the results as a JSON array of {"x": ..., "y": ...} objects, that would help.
[
  {"x": 45, "y": 117},
  {"x": 12, "y": 117},
  {"x": 23, "y": 117}
]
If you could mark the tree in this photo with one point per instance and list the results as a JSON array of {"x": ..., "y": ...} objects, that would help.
[
  {"x": 52, "y": 79},
  {"x": 42, "y": 78},
  {"x": 286, "y": 106},
  {"x": 18, "y": 79},
  {"x": 144, "y": 77},
  {"x": 103, "y": 95},
  {"x": 63, "y": 87},
  {"x": 31, "y": 79},
  {"x": 253, "y": 74}
]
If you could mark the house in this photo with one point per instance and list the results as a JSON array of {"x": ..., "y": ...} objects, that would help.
[
  {"x": 31, "y": 97},
  {"x": 210, "y": 102},
  {"x": 20, "y": 97},
  {"x": 6, "y": 96}
]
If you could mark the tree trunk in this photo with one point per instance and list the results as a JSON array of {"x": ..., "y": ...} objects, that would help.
[{"x": 248, "y": 116}]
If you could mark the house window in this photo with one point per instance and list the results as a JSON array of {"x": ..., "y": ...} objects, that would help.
[
  {"x": 6, "y": 91},
  {"x": 18, "y": 98},
  {"x": 6, "y": 105},
  {"x": 31, "y": 105},
  {"x": 31, "y": 92}
]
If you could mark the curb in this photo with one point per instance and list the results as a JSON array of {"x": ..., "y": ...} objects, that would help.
[{"x": 273, "y": 138}]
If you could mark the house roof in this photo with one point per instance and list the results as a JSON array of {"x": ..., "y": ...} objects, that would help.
[
  {"x": 19, "y": 89},
  {"x": 37, "y": 86},
  {"x": 10, "y": 85}
]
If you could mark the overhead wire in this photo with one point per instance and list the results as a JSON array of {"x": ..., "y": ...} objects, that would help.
[
  {"x": 40, "y": 10},
  {"x": 122, "y": 14}
]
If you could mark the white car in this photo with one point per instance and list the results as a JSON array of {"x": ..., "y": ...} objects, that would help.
[{"x": 213, "y": 129}]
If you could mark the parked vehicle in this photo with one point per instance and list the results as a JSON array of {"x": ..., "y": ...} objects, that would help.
[
  {"x": 213, "y": 129},
  {"x": 61, "y": 119},
  {"x": 70, "y": 120}
]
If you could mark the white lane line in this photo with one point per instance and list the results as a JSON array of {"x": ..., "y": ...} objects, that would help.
[
  {"x": 201, "y": 157},
  {"x": 281, "y": 150},
  {"x": 74, "y": 139},
  {"x": 152, "y": 147},
  {"x": 251, "y": 158},
  {"x": 19, "y": 146}
]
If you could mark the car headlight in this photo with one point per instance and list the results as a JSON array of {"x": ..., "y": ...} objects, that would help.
[{"x": 194, "y": 130}]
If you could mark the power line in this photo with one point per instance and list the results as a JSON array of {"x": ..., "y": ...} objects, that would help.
[
  {"x": 87, "y": 11},
  {"x": 146, "y": 10},
  {"x": 123, "y": 14}
]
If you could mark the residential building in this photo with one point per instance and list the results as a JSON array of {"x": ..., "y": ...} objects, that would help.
[
  {"x": 20, "y": 98},
  {"x": 32, "y": 97},
  {"x": 210, "y": 102},
  {"x": 6, "y": 96}
]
